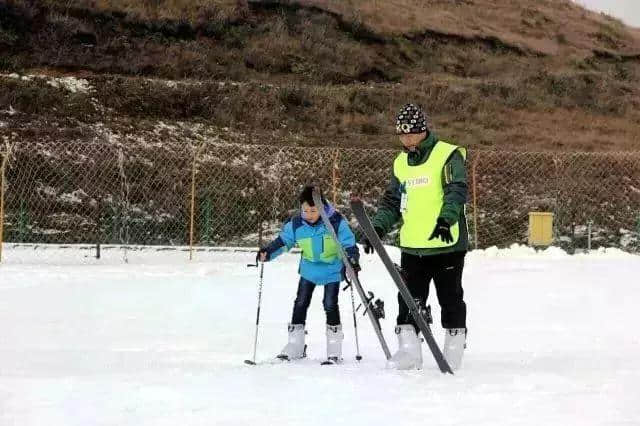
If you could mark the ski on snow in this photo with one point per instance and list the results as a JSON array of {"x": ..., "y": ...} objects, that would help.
[
  {"x": 367, "y": 227},
  {"x": 353, "y": 277}
]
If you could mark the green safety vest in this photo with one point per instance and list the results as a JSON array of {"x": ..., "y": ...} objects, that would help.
[{"x": 422, "y": 197}]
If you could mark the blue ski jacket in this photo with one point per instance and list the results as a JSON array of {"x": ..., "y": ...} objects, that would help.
[{"x": 320, "y": 261}]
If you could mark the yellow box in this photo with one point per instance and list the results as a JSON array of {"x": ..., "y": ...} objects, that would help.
[{"x": 540, "y": 228}]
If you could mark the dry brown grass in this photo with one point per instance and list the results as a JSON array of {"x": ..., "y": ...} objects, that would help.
[
  {"x": 485, "y": 115},
  {"x": 151, "y": 9},
  {"x": 302, "y": 71},
  {"x": 543, "y": 26}
]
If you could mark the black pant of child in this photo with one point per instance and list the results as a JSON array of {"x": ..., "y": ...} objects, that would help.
[
  {"x": 446, "y": 272},
  {"x": 303, "y": 299}
]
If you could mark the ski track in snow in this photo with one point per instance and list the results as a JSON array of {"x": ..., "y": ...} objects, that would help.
[{"x": 161, "y": 341}]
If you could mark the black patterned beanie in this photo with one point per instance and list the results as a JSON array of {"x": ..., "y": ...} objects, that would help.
[{"x": 411, "y": 119}]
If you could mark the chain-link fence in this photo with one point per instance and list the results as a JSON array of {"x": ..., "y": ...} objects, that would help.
[
  {"x": 601, "y": 189},
  {"x": 233, "y": 195}
]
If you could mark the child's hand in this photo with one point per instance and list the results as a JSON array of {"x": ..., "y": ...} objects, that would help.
[{"x": 262, "y": 256}]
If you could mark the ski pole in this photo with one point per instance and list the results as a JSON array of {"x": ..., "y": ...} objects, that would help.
[
  {"x": 355, "y": 324},
  {"x": 255, "y": 340},
  {"x": 355, "y": 321}
]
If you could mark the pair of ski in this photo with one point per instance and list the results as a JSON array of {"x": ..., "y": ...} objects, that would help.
[
  {"x": 280, "y": 360},
  {"x": 357, "y": 207},
  {"x": 329, "y": 361}
]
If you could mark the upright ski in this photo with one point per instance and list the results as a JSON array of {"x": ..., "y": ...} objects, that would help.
[
  {"x": 367, "y": 302},
  {"x": 365, "y": 223}
]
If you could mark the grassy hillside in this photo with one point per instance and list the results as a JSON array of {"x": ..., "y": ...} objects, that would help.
[{"x": 526, "y": 75}]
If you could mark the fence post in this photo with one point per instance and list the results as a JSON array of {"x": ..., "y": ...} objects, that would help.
[
  {"x": 126, "y": 208},
  {"x": 474, "y": 185},
  {"x": 3, "y": 167},
  {"x": 196, "y": 154},
  {"x": 276, "y": 193},
  {"x": 557, "y": 208},
  {"x": 335, "y": 176},
  {"x": 98, "y": 236}
]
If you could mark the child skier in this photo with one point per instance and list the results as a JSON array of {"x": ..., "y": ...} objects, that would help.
[{"x": 320, "y": 265}]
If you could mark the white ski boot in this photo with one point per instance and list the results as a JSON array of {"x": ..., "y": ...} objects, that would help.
[
  {"x": 295, "y": 348},
  {"x": 335, "y": 336},
  {"x": 454, "y": 345},
  {"x": 409, "y": 354}
]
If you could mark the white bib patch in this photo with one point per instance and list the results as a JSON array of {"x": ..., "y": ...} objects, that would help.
[{"x": 403, "y": 203}]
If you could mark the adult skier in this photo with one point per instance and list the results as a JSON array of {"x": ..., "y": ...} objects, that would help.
[{"x": 428, "y": 191}]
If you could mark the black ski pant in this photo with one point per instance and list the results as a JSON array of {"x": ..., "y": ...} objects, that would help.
[
  {"x": 446, "y": 272},
  {"x": 303, "y": 300}
]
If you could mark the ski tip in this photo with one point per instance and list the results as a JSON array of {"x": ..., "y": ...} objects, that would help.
[
  {"x": 445, "y": 369},
  {"x": 249, "y": 362}
]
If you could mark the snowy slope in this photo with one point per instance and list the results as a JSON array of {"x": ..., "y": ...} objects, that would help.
[{"x": 161, "y": 341}]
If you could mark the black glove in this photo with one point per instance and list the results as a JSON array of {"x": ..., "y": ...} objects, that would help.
[
  {"x": 355, "y": 265},
  {"x": 368, "y": 248},
  {"x": 442, "y": 231},
  {"x": 259, "y": 255}
]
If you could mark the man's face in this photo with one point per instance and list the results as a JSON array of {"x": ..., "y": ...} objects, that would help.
[
  {"x": 310, "y": 214},
  {"x": 411, "y": 140}
]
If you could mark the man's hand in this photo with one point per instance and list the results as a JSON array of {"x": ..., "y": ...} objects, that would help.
[
  {"x": 368, "y": 248},
  {"x": 442, "y": 231}
]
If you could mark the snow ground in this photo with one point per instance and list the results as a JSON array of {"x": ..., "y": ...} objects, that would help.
[{"x": 161, "y": 341}]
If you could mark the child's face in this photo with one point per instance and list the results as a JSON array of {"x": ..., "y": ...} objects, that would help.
[{"x": 310, "y": 214}]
